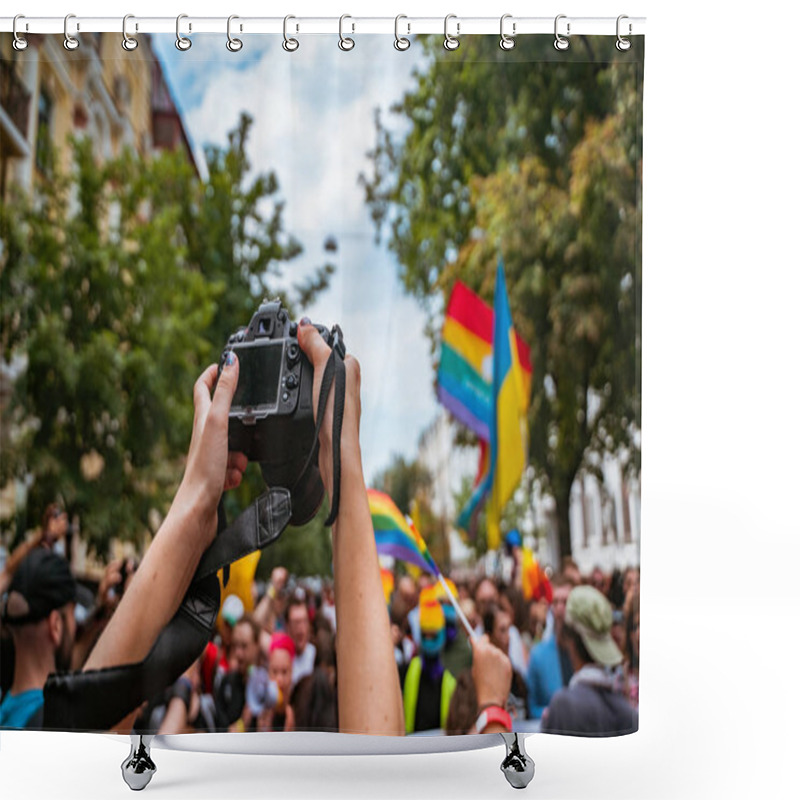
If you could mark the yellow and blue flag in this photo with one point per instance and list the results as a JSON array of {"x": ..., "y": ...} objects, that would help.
[{"x": 508, "y": 433}]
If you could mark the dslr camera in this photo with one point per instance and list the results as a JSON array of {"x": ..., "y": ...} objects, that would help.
[{"x": 271, "y": 419}]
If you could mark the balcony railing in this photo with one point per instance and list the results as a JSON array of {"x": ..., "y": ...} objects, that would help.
[{"x": 15, "y": 98}]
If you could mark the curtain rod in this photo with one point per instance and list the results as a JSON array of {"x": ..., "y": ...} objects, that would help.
[{"x": 403, "y": 25}]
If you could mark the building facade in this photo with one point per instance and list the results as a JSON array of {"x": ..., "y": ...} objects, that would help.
[
  {"x": 605, "y": 515},
  {"x": 117, "y": 98}
]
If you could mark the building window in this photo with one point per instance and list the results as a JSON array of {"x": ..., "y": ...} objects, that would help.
[{"x": 44, "y": 134}]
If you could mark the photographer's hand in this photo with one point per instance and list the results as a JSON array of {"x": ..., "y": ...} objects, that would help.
[
  {"x": 368, "y": 688},
  {"x": 313, "y": 345},
  {"x": 163, "y": 577}
]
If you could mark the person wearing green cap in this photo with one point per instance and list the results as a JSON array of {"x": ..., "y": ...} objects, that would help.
[{"x": 590, "y": 705}]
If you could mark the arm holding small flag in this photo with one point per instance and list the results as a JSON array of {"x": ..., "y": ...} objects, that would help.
[{"x": 368, "y": 689}]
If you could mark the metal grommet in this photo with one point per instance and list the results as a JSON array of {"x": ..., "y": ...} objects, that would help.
[
  {"x": 128, "y": 42},
  {"x": 70, "y": 42},
  {"x": 623, "y": 44},
  {"x": 400, "y": 42},
  {"x": 345, "y": 43},
  {"x": 289, "y": 45},
  {"x": 451, "y": 42},
  {"x": 182, "y": 42},
  {"x": 561, "y": 43},
  {"x": 234, "y": 45},
  {"x": 20, "y": 42},
  {"x": 507, "y": 42}
]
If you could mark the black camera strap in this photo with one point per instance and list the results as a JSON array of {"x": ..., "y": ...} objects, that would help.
[
  {"x": 334, "y": 376},
  {"x": 98, "y": 699}
]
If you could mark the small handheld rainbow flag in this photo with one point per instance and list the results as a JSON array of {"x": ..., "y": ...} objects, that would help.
[{"x": 396, "y": 536}]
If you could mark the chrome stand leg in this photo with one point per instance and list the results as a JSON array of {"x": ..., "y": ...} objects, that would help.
[
  {"x": 518, "y": 766},
  {"x": 138, "y": 768}
]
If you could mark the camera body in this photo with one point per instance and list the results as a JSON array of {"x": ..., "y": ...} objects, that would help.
[{"x": 271, "y": 419}]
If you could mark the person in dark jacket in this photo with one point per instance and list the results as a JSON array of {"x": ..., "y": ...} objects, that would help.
[{"x": 590, "y": 705}]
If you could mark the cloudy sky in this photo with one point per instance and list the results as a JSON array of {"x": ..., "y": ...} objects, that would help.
[{"x": 313, "y": 116}]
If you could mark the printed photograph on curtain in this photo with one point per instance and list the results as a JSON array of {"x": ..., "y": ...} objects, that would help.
[{"x": 320, "y": 385}]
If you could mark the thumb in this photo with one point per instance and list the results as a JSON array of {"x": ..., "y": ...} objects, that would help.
[
  {"x": 312, "y": 344},
  {"x": 226, "y": 385}
]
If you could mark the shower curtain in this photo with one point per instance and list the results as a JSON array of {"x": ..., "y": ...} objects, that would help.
[{"x": 469, "y": 216}]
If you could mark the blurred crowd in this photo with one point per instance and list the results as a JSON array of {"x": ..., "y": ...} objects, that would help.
[{"x": 561, "y": 657}]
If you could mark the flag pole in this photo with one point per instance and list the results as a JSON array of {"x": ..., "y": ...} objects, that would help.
[{"x": 461, "y": 615}]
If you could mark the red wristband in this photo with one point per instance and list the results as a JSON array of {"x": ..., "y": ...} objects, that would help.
[{"x": 490, "y": 715}]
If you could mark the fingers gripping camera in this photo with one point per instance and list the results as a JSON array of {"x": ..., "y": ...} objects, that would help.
[{"x": 271, "y": 419}]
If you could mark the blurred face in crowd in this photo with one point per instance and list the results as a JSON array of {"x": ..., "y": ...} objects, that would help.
[
  {"x": 280, "y": 670},
  {"x": 244, "y": 647},
  {"x": 470, "y": 611},
  {"x": 505, "y": 603},
  {"x": 407, "y": 590},
  {"x": 298, "y": 626},
  {"x": 537, "y": 615},
  {"x": 57, "y": 526},
  {"x": 486, "y": 594},
  {"x": 560, "y": 595},
  {"x": 598, "y": 580},
  {"x": 499, "y": 635},
  {"x": 572, "y": 573},
  {"x": 631, "y": 581}
]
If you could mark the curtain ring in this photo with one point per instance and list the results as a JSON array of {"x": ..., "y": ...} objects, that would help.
[
  {"x": 20, "y": 42},
  {"x": 561, "y": 43},
  {"x": 182, "y": 42},
  {"x": 128, "y": 42},
  {"x": 70, "y": 42},
  {"x": 451, "y": 42},
  {"x": 400, "y": 42},
  {"x": 507, "y": 42},
  {"x": 345, "y": 43},
  {"x": 623, "y": 44},
  {"x": 289, "y": 45},
  {"x": 234, "y": 45}
]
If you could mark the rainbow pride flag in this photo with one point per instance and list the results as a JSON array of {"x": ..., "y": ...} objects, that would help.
[
  {"x": 395, "y": 535},
  {"x": 464, "y": 379}
]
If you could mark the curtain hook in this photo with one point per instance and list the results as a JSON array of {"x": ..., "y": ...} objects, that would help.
[
  {"x": 20, "y": 42},
  {"x": 507, "y": 42},
  {"x": 451, "y": 42},
  {"x": 345, "y": 43},
  {"x": 400, "y": 42},
  {"x": 561, "y": 43},
  {"x": 128, "y": 42},
  {"x": 623, "y": 43},
  {"x": 289, "y": 45},
  {"x": 182, "y": 42},
  {"x": 234, "y": 45},
  {"x": 70, "y": 42}
]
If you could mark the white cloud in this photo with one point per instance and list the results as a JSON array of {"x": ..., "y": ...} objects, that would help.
[{"x": 313, "y": 114}]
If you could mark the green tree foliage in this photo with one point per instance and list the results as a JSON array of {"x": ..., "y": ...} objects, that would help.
[
  {"x": 307, "y": 550},
  {"x": 403, "y": 481},
  {"x": 535, "y": 156},
  {"x": 408, "y": 483},
  {"x": 119, "y": 283}
]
